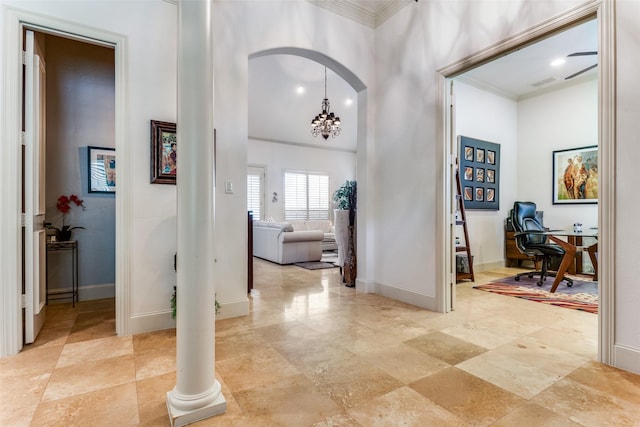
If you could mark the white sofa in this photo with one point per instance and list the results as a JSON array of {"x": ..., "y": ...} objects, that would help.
[
  {"x": 280, "y": 243},
  {"x": 324, "y": 225}
]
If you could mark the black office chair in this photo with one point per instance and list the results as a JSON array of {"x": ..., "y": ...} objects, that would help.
[{"x": 531, "y": 241}]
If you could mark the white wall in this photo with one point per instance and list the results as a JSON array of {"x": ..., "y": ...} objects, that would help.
[
  {"x": 277, "y": 157},
  {"x": 489, "y": 117},
  {"x": 558, "y": 120},
  {"x": 627, "y": 291}
]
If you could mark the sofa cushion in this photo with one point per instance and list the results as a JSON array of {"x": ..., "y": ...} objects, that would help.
[
  {"x": 284, "y": 226},
  {"x": 302, "y": 236}
]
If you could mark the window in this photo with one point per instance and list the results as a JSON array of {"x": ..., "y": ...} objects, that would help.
[
  {"x": 306, "y": 195},
  {"x": 255, "y": 191}
]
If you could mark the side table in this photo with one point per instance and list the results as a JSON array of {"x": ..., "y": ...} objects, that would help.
[{"x": 71, "y": 245}]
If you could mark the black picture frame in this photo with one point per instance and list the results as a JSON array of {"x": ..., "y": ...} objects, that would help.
[
  {"x": 164, "y": 145},
  {"x": 480, "y": 166},
  {"x": 101, "y": 167}
]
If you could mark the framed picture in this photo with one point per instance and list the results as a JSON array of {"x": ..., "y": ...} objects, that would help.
[
  {"x": 468, "y": 193},
  {"x": 468, "y": 174},
  {"x": 468, "y": 153},
  {"x": 164, "y": 146},
  {"x": 491, "y": 176},
  {"x": 480, "y": 161},
  {"x": 491, "y": 157},
  {"x": 575, "y": 175},
  {"x": 102, "y": 169}
]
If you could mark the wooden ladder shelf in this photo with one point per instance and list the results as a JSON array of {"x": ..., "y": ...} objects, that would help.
[{"x": 462, "y": 221}]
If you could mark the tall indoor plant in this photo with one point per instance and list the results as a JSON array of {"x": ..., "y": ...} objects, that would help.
[{"x": 345, "y": 198}]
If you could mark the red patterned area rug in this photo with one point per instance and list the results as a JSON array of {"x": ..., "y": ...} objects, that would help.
[{"x": 581, "y": 296}]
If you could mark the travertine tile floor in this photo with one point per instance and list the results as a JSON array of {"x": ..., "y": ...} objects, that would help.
[{"x": 315, "y": 353}]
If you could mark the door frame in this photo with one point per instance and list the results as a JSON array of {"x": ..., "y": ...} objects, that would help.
[
  {"x": 604, "y": 11},
  {"x": 10, "y": 127}
]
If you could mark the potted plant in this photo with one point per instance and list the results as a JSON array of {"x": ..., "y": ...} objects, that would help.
[
  {"x": 345, "y": 198},
  {"x": 64, "y": 205}
]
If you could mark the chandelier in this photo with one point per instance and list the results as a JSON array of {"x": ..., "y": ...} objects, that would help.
[{"x": 325, "y": 123}]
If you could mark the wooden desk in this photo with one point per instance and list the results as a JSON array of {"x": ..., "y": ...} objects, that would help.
[{"x": 570, "y": 249}]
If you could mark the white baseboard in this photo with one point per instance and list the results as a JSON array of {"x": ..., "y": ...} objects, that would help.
[
  {"x": 159, "y": 320},
  {"x": 365, "y": 287},
  {"x": 150, "y": 322},
  {"x": 627, "y": 358},
  {"x": 233, "y": 309},
  {"x": 409, "y": 297},
  {"x": 87, "y": 293},
  {"x": 488, "y": 266}
]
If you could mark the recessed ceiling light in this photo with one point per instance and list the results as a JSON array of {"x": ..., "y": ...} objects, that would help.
[
  {"x": 348, "y": 102},
  {"x": 300, "y": 90},
  {"x": 557, "y": 62}
]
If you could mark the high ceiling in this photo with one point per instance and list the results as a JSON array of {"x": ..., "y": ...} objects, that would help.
[{"x": 278, "y": 112}]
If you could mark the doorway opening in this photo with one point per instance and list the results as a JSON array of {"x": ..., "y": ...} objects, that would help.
[
  {"x": 16, "y": 21},
  {"x": 604, "y": 142}
]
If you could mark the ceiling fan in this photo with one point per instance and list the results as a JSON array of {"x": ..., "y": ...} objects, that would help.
[{"x": 584, "y": 70}]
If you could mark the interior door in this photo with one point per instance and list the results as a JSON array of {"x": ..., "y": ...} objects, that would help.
[{"x": 34, "y": 247}]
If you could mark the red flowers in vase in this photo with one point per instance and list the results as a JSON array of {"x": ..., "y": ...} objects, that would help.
[{"x": 64, "y": 205}]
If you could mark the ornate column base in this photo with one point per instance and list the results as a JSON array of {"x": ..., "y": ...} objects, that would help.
[{"x": 191, "y": 411}]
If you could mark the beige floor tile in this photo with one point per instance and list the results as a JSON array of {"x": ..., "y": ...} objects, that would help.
[
  {"x": 445, "y": 347},
  {"x": 97, "y": 349},
  {"x": 21, "y": 392},
  {"x": 403, "y": 407},
  {"x": 491, "y": 332},
  {"x": 114, "y": 406},
  {"x": 609, "y": 380},
  {"x": 90, "y": 326},
  {"x": 89, "y": 376},
  {"x": 155, "y": 361},
  {"x": 404, "y": 362},
  {"x": 32, "y": 360},
  {"x": 342, "y": 420},
  {"x": 474, "y": 400},
  {"x": 53, "y": 337},
  {"x": 293, "y": 401},
  {"x": 152, "y": 340},
  {"x": 568, "y": 341},
  {"x": 588, "y": 406},
  {"x": 550, "y": 360},
  {"x": 510, "y": 374},
  {"x": 532, "y": 415},
  {"x": 152, "y": 398},
  {"x": 259, "y": 369}
]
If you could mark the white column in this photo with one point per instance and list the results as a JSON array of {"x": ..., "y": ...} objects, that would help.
[{"x": 197, "y": 393}]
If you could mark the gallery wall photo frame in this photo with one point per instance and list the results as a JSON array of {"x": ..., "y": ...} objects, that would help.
[
  {"x": 575, "y": 176},
  {"x": 101, "y": 169},
  {"x": 479, "y": 163},
  {"x": 164, "y": 146}
]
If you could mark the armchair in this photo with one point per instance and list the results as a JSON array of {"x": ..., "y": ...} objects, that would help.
[{"x": 531, "y": 240}]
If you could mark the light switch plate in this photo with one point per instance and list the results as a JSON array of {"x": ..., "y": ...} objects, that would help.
[{"x": 228, "y": 187}]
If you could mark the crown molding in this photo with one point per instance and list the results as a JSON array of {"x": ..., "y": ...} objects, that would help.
[{"x": 361, "y": 15}]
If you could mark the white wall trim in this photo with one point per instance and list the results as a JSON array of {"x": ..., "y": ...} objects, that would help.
[
  {"x": 627, "y": 358},
  {"x": 93, "y": 292},
  {"x": 604, "y": 10},
  {"x": 10, "y": 127},
  {"x": 233, "y": 309},
  {"x": 14, "y": 20},
  {"x": 410, "y": 297},
  {"x": 150, "y": 322}
]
